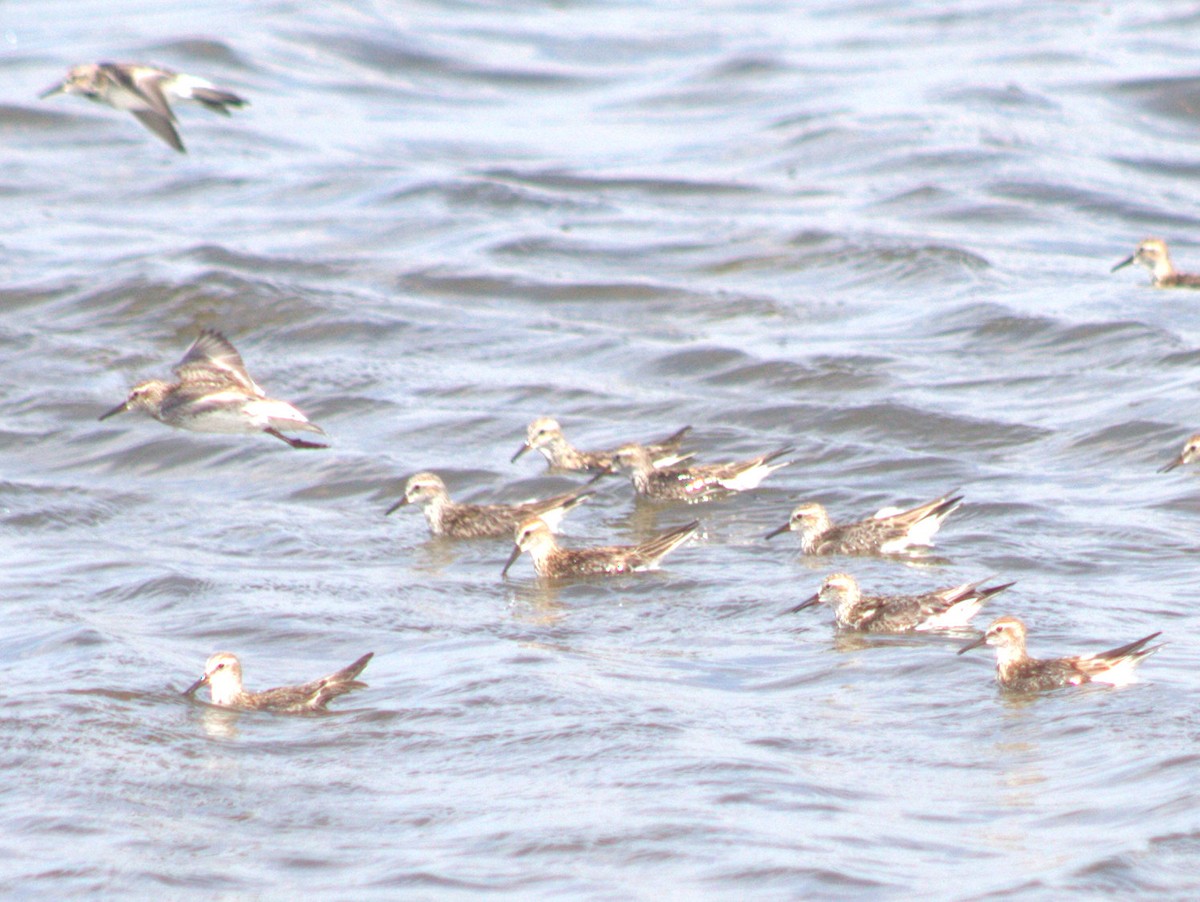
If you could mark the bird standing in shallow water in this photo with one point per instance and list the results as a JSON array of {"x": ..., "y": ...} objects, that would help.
[
  {"x": 695, "y": 482},
  {"x": 474, "y": 521},
  {"x": 546, "y": 436},
  {"x": 939, "y": 609},
  {"x": 1018, "y": 672},
  {"x": 223, "y": 674},
  {"x": 216, "y": 394},
  {"x": 145, "y": 91},
  {"x": 888, "y": 532},
  {"x": 1152, "y": 254},
  {"x": 552, "y": 562}
]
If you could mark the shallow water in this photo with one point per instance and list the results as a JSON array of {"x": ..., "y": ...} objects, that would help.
[{"x": 877, "y": 233}]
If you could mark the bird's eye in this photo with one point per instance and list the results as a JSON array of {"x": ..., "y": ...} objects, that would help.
[{"x": 221, "y": 666}]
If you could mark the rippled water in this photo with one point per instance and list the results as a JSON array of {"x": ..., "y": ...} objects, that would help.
[{"x": 877, "y": 232}]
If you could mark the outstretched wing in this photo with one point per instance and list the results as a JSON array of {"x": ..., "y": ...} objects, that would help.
[
  {"x": 210, "y": 357},
  {"x": 160, "y": 126},
  {"x": 146, "y": 83}
]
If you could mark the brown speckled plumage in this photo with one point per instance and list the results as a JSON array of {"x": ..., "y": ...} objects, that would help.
[
  {"x": 474, "y": 521},
  {"x": 552, "y": 562},
  {"x": 223, "y": 674},
  {"x": 216, "y": 394},
  {"x": 1018, "y": 672},
  {"x": 885, "y": 533},
  {"x": 698, "y": 482},
  {"x": 546, "y": 436},
  {"x": 940, "y": 609}
]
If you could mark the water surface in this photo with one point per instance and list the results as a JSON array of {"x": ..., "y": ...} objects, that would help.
[{"x": 879, "y": 233}]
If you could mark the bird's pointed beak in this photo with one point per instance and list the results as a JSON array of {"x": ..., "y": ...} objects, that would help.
[
  {"x": 773, "y": 533},
  {"x": 395, "y": 507},
  {"x": 120, "y": 408},
  {"x": 807, "y": 603},
  {"x": 191, "y": 690},
  {"x": 59, "y": 88},
  {"x": 978, "y": 642},
  {"x": 1172, "y": 465},
  {"x": 600, "y": 474},
  {"x": 516, "y": 553},
  {"x": 1124, "y": 262},
  {"x": 520, "y": 451}
]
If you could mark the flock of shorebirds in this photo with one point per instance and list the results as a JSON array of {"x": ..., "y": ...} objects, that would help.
[{"x": 213, "y": 392}]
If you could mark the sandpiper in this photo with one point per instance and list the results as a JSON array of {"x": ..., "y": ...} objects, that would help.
[
  {"x": 939, "y": 609},
  {"x": 473, "y": 521},
  {"x": 216, "y": 394},
  {"x": 545, "y": 435},
  {"x": 1152, "y": 254},
  {"x": 888, "y": 532},
  {"x": 223, "y": 674},
  {"x": 699, "y": 482},
  {"x": 1017, "y": 671},
  {"x": 553, "y": 562},
  {"x": 1190, "y": 453},
  {"x": 145, "y": 91}
]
